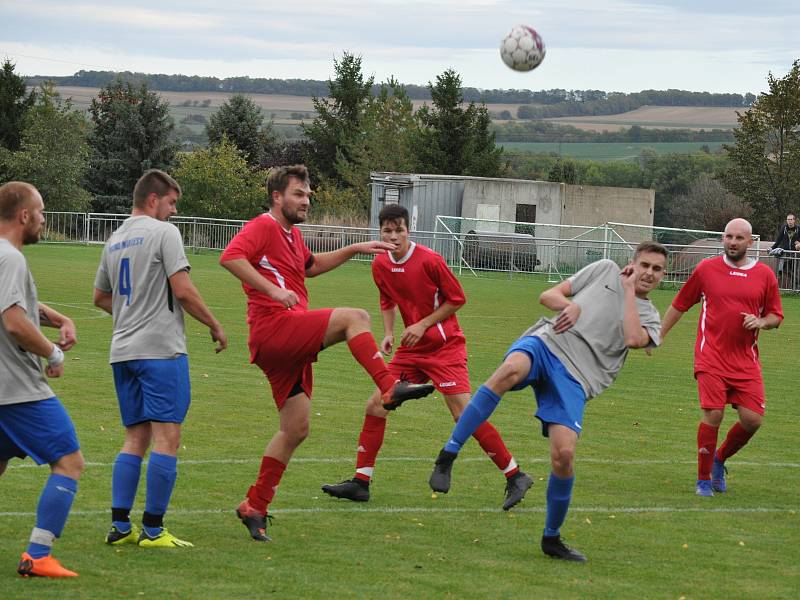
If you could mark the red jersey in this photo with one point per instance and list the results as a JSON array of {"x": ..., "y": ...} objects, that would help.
[
  {"x": 280, "y": 256},
  {"x": 418, "y": 284},
  {"x": 724, "y": 346}
]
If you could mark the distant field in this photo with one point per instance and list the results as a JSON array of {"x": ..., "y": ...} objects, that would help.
[
  {"x": 662, "y": 117},
  {"x": 609, "y": 151}
]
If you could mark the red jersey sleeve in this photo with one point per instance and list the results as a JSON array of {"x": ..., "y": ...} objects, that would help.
[
  {"x": 386, "y": 302},
  {"x": 247, "y": 243},
  {"x": 691, "y": 291},
  {"x": 772, "y": 302},
  {"x": 447, "y": 282}
]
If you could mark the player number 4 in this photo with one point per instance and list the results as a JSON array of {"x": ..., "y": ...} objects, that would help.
[{"x": 125, "y": 288}]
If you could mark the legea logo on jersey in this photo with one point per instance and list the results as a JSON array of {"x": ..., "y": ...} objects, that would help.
[
  {"x": 398, "y": 270},
  {"x": 737, "y": 273},
  {"x": 447, "y": 384}
]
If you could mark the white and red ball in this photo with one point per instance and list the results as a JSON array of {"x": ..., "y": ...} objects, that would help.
[{"x": 522, "y": 49}]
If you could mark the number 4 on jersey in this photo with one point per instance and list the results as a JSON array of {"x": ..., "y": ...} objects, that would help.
[{"x": 125, "y": 288}]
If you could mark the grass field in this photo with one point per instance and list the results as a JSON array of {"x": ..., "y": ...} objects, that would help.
[
  {"x": 634, "y": 511},
  {"x": 610, "y": 150}
]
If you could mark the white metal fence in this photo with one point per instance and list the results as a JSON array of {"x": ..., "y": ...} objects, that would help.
[{"x": 480, "y": 247}]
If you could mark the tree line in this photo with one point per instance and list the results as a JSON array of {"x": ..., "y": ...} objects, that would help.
[
  {"x": 547, "y": 131},
  {"x": 311, "y": 87},
  {"x": 90, "y": 161}
]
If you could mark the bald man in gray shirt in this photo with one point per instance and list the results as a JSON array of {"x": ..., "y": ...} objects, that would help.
[{"x": 602, "y": 312}]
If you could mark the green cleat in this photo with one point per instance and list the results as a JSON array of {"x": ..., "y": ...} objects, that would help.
[
  {"x": 163, "y": 540},
  {"x": 115, "y": 537}
]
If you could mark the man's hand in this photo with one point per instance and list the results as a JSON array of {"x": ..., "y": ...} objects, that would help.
[
  {"x": 386, "y": 345},
  {"x": 286, "y": 297},
  {"x": 373, "y": 247},
  {"x": 68, "y": 337},
  {"x": 218, "y": 335},
  {"x": 776, "y": 251},
  {"x": 53, "y": 372},
  {"x": 567, "y": 318},
  {"x": 627, "y": 278},
  {"x": 751, "y": 321},
  {"x": 411, "y": 335}
]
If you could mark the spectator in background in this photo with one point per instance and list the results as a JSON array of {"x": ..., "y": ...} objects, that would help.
[{"x": 787, "y": 238}]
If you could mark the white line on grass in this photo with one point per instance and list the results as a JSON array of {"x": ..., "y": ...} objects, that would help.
[
  {"x": 429, "y": 459},
  {"x": 445, "y": 510}
]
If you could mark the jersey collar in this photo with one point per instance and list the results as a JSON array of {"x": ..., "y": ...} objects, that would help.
[
  {"x": 407, "y": 255},
  {"x": 289, "y": 231},
  {"x": 744, "y": 267}
]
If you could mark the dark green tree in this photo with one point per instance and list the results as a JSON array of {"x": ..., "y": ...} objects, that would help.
[
  {"x": 453, "y": 139},
  {"x": 241, "y": 121},
  {"x": 131, "y": 133},
  {"x": 14, "y": 103},
  {"x": 53, "y": 153},
  {"x": 338, "y": 122},
  {"x": 765, "y": 161}
]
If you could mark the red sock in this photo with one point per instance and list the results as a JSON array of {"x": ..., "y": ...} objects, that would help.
[
  {"x": 706, "y": 444},
  {"x": 269, "y": 476},
  {"x": 736, "y": 439},
  {"x": 365, "y": 351},
  {"x": 369, "y": 443},
  {"x": 491, "y": 442}
]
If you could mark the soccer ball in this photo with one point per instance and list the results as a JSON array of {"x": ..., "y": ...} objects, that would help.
[{"x": 522, "y": 49}]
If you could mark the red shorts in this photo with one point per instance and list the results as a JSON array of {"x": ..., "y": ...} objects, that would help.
[
  {"x": 447, "y": 369},
  {"x": 284, "y": 344},
  {"x": 716, "y": 391}
]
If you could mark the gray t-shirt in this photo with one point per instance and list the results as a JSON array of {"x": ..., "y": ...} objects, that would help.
[
  {"x": 21, "y": 375},
  {"x": 593, "y": 350},
  {"x": 137, "y": 262}
]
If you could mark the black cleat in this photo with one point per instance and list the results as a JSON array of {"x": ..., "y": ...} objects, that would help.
[
  {"x": 354, "y": 489},
  {"x": 516, "y": 487},
  {"x": 255, "y": 522},
  {"x": 553, "y": 546},
  {"x": 402, "y": 391},
  {"x": 440, "y": 478}
]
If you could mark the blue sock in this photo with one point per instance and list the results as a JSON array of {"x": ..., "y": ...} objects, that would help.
[
  {"x": 559, "y": 494},
  {"x": 51, "y": 513},
  {"x": 161, "y": 474},
  {"x": 124, "y": 483},
  {"x": 477, "y": 411}
]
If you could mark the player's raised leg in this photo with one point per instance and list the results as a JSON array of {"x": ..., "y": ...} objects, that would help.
[
  {"x": 515, "y": 369},
  {"x": 517, "y": 482},
  {"x": 293, "y": 430},
  {"x": 353, "y": 325}
]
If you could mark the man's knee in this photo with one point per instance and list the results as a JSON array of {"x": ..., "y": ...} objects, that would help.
[
  {"x": 297, "y": 431},
  {"x": 712, "y": 417},
  {"x": 70, "y": 465},
  {"x": 562, "y": 458},
  {"x": 509, "y": 374},
  {"x": 751, "y": 421}
]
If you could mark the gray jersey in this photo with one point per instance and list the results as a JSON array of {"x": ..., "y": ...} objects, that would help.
[
  {"x": 137, "y": 262},
  {"x": 21, "y": 375},
  {"x": 593, "y": 350}
]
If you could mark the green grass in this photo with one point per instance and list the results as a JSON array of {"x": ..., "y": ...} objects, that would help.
[
  {"x": 611, "y": 150},
  {"x": 634, "y": 512}
]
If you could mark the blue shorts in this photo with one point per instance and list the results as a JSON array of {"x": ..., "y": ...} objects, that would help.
[
  {"x": 40, "y": 429},
  {"x": 559, "y": 397},
  {"x": 153, "y": 390}
]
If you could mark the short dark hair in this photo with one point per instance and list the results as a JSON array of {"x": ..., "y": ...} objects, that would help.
[
  {"x": 394, "y": 213},
  {"x": 278, "y": 178},
  {"x": 650, "y": 246},
  {"x": 154, "y": 181},
  {"x": 14, "y": 195}
]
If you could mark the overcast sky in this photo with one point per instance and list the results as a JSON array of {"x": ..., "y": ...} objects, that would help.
[{"x": 617, "y": 45}]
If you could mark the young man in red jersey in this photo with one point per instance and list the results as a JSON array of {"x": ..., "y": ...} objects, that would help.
[
  {"x": 740, "y": 297},
  {"x": 417, "y": 280},
  {"x": 271, "y": 259}
]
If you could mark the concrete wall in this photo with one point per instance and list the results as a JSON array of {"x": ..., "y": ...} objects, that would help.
[
  {"x": 489, "y": 197},
  {"x": 594, "y": 205}
]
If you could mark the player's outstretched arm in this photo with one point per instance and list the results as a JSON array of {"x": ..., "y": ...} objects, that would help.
[
  {"x": 50, "y": 317},
  {"x": 30, "y": 339},
  {"x": 192, "y": 302},
  {"x": 328, "y": 261},
  {"x": 672, "y": 316}
]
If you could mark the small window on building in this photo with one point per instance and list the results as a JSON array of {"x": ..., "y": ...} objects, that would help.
[{"x": 526, "y": 213}]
